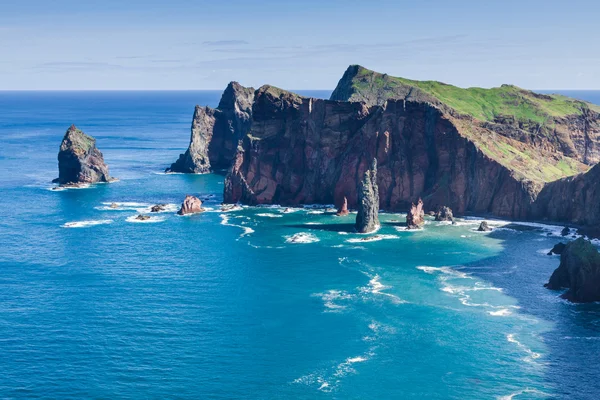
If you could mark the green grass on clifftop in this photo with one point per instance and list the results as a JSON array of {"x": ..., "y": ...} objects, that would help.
[{"x": 483, "y": 104}]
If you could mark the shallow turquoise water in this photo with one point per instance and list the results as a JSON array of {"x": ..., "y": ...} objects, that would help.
[{"x": 227, "y": 305}]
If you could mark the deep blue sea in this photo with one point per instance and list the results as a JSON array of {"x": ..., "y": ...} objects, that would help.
[{"x": 257, "y": 303}]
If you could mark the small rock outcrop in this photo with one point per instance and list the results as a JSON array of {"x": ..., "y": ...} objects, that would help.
[
  {"x": 565, "y": 231},
  {"x": 217, "y": 131},
  {"x": 414, "y": 218},
  {"x": 444, "y": 214},
  {"x": 578, "y": 272},
  {"x": 484, "y": 227},
  {"x": 190, "y": 205},
  {"x": 557, "y": 249},
  {"x": 158, "y": 208},
  {"x": 343, "y": 210},
  {"x": 367, "y": 219},
  {"x": 142, "y": 217},
  {"x": 79, "y": 161}
]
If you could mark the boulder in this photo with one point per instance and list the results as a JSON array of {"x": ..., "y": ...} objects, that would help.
[
  {"x": 414, "y": 218},
  {"x": 578, "y": 272},
  {"x": 343, "y": 210},
  {"x": 565, "y": 231},
  {"x": 557, "y": 249},
  {"x": 79, "y": 161},
  {"x": 190, "y": 205},
  {"x": 158, "y": 208},
  {"x": 367, "y": 218},
  {"x": 444, "y": 214},
  {"x": 484, "y": 227},
  {"x": 143, "y": 217}
]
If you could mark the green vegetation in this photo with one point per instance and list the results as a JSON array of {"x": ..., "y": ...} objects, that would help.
[{"x": 507, "y": 101}]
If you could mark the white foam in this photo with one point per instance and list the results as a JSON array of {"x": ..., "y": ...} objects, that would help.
[
  {"x": 231, "y": 208},
  {"x": 523, "y": 391},
  {"x": 374, "y": 238},
  {"x": 77, "y": 187},
  {"x": 225, "y": 221},
  {"x": 377, "y": 288},
  {"x": 88, "y": 223},
  {"x": 503, "y": 312},
  {"x": 150, "y": 220},
  {"x": 269, "y": 215},
  {"x": 531, "y": 355},
  {"x": 331, "y": 297},
  {"x": 301, "y": 237},
  {"x": 314, "y": 223}
]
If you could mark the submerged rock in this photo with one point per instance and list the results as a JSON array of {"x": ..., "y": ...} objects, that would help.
[
  {"x": 190, "y": 205},
  {"x": 367, "y": 219},
  {"x": 579, "y": 272},
  {"x": 79, "y": 161},
  {"x": 114, "y": 205},
  {"x": 484, "y": 227},
  {"x": 557, "y": 249},
  {"x": 343, "y": 210},
  {"x": 158, "y": 208},
  {"x": 444, "y": 214},
  {"x": 142, "y": 217},
  {"x": 414, "y": 218}
]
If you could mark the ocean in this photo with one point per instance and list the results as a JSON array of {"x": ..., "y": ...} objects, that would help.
[{"x": 257, "y": 302}]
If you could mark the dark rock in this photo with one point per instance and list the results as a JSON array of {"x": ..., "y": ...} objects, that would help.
[
  {"x": 190, "y": 205},
  {"x": 565, "y": 231},
  {"x": 414, "y": 217},
  {"x": 484, "y": 227},
  {"x": 343, "y": 210},
  {"x": 579, "y": 272},
  {"x": 79, "y": 161},
  {"x": 142, "y": 217},
  {"x": 216, "y": 132},
  {"x": 367, "y": 218},
  {"x": 158, "y": 208},
  {"x": 557, "y": 249},
  {"x": 444, "y": 214}
]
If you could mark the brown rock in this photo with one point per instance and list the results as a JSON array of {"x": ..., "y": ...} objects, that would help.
[
  {"x": 343, "y": 210},
  {"x": 367, "y": 218},
  {"x": 484, "y": 227},
  {"x": 158, "y": 208},
  {"x": 414, "y": 218},
  {"x": 444, "y": 214},
  {"x": 143, "y": 217},
  {"x": 190, "y": 205},
  {"x": 114, "y": 205}
]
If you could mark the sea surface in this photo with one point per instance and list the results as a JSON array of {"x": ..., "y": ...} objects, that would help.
[{"x": 259, "y": 303}]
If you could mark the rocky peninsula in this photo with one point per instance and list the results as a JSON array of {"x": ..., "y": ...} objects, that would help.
[{"x": 79, "y": 161}]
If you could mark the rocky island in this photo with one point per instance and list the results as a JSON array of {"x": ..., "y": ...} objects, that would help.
[{"x": 79, "y": 161}]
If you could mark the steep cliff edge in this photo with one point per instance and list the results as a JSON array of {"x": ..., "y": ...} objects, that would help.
[
  {"x": 216, "y": 132},
  {"x": 304, "y": 150},
  {"x": 79, "y": 161}
]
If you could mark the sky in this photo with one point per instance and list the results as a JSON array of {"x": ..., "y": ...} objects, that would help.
[{"x": 307, "y": 44}]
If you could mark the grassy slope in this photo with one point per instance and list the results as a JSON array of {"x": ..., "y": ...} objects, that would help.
[{"x": 509, "y": 101}]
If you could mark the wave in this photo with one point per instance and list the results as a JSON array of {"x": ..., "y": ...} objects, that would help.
[
  {"x": 377, "y": 288},
  {"x": 301, "y": 237},
  {"x": 269, "y": 215},
  {"x": 225, "y": 221},
  {"x": 331, "y": 297},
  {"x": 88, "y": 223},
  {"x": 536, "y": 392},
  {"x": 531, "y": 355},
  {"x": 503, "y": 312}
]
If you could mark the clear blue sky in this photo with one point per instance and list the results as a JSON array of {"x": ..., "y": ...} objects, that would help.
[{"x": 303, "y": 44}]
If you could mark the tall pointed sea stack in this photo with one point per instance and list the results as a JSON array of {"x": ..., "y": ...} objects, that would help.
[
  {"x": 217, "y": 131},
  {"x": 367, "y": 219},
  {"x": 414, "y": 217},
  {"x": 79, "y": 161}
]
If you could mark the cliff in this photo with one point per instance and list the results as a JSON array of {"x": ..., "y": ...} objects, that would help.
[
  {"x": 304, "y": 150},
  {"x": 79, "y": 161},
  {"x": 216, "y": 132}
]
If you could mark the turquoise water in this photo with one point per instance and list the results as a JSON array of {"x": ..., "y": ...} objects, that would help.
[{"x": 255, "y": 302}]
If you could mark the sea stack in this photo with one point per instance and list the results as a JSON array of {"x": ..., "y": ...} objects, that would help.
[
  {"x": 367, "y": 219},
  {"x": 484, "y": 227},
  {"x": 190, "y": 205},
  {"x": 444, "y": 214},
  {"x": 414, "y": 218},
  {"x": 79, "y": 161},
  {"x": 217, "y": 131},
  {"x": 579, "y": 272},
  {"x": 343, "y": 210}
]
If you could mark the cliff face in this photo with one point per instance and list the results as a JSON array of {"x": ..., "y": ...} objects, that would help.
[
  {"x": 216, "y": 132},
  {"x": 303, "y": 150},
  {"x": 79, "y": 161},
  {"x": 575, "y": 199}
]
